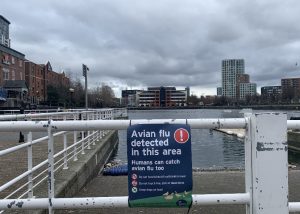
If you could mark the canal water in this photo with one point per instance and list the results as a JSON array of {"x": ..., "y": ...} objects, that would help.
[{"x": 210, "y": 149}]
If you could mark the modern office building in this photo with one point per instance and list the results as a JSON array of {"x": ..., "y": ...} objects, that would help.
[
  {"x": 235, "y": 83},
  {"x": 269, "y": 91},
  {"x": 162, "y": 97},
  {"x": 130, "y": 98},
  {"x": 155, "y": 97}
]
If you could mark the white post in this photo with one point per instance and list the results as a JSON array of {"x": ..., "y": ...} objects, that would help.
[
  {"x": 29, "y": 163},
  {"x": 94, "y": 132},
  {"x": 269, "y": 164},
  {"x": 65, "y": 149},
  {"x": 248, "y": 157},
  {"x": 50, "y": 168},
  {"x": 82, "y": 137},
  {"x": 75, "y": 140},
  {"x": 101, "y": 117},
  {"x": 88, "y": 133}
]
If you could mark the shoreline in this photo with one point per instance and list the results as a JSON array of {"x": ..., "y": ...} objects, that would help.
[{"x": 254, "y": 107}]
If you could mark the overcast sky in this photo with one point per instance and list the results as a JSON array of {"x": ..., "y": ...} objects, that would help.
[{"x": 134, "y": 44}]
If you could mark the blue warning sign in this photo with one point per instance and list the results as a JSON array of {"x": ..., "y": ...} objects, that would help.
[{"x": 159, "y": 165}]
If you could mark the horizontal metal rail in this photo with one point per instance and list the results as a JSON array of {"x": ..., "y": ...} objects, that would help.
[
  {"x": 294, "y": 206},
  {"x": 23, "y": 175},
  {"x": 26, "y": 173},
  {"x": 38, "y": 115},
  {"x": 85, "y": 125},
  {"x": 293, "y": 124},
  {"x": 30, "y": 116},
  {"x": 24, "y": 145},
  {"x": 111, "y": 202}
]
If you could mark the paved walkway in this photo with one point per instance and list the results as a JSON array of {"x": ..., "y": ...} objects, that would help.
[
  {"x": 204, "y": 183},
  {"x": 15, "y": 163}
]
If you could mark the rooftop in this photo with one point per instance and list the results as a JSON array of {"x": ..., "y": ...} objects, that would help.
[{"x": 2, "y": 17}]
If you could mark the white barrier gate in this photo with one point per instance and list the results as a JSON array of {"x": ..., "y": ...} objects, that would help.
[{"x": 266, "y": 164}]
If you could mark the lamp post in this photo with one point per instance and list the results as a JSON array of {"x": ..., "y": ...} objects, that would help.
[
  {"x": 71, "y": 90},
  {"x": 85, "y": 69}
]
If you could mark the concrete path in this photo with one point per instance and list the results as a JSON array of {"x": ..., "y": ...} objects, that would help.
[{"x": 204, "y": 183}]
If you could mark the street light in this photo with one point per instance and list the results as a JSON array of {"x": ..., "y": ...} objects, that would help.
[{"x": 85, "y": 69}]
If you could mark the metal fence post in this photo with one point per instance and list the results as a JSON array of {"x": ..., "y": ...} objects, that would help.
[
  {"x": 82, "y": 138},
  {"x": 65, "y": 149},
  {"x": 101, "y": 117},
  {"x": 94, "y": 132},
  {"x": 88, "y": 133},
  {"x": 269, "y": 164},
  {"x": 248, "y": 157},
  {"x": 75, "y": 140},
  {"x": 29, "y": 163},
  {"x": 50, "y": 168}
]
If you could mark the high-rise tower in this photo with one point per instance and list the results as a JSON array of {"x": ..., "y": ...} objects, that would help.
[{"x": 231, "y": 69}]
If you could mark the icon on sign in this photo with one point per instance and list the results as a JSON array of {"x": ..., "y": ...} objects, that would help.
[
  {"x": 134, "y": 183},
  {"x": 134, "y": 189},
  {"x": 181, "y": 135},
  {"x": 134, "y": 176}
]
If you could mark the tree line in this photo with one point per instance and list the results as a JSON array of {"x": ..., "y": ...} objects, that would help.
[{"x": 73, "y": 96}]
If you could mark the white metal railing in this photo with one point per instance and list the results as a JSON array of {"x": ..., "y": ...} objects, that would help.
[
  {"x": 62, "y": 157},
  {"x": 265, "y": 143}
]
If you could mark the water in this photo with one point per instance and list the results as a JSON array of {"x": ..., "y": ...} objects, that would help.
[{"x": 210, "y": 149}]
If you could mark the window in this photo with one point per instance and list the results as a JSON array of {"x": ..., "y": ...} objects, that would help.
[
  {"x": 5, "y": 73},
  {"x": 13, "y": 75},
  {"x": 21, "y": 75},
  {"x": 12, "y": 60},
  {"x": 20, "y": 63}
]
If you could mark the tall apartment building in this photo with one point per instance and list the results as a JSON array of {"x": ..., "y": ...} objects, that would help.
[
  {"x": 230, "y": 69},
  {"x": 247, "y": 89},
  {"x": 235, "y": 83}
]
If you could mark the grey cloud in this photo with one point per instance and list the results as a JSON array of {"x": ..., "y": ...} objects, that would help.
[{"x": 146, "y": 43}]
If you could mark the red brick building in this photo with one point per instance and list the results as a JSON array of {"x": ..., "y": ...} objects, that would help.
[
  {"x": 39, "y": 77},
  {"x": 14, "y": 67},
  {"x": 11, "y": 65},
  {"x": 35, "y": 79},
  {"x": 290, "y": 89}
]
